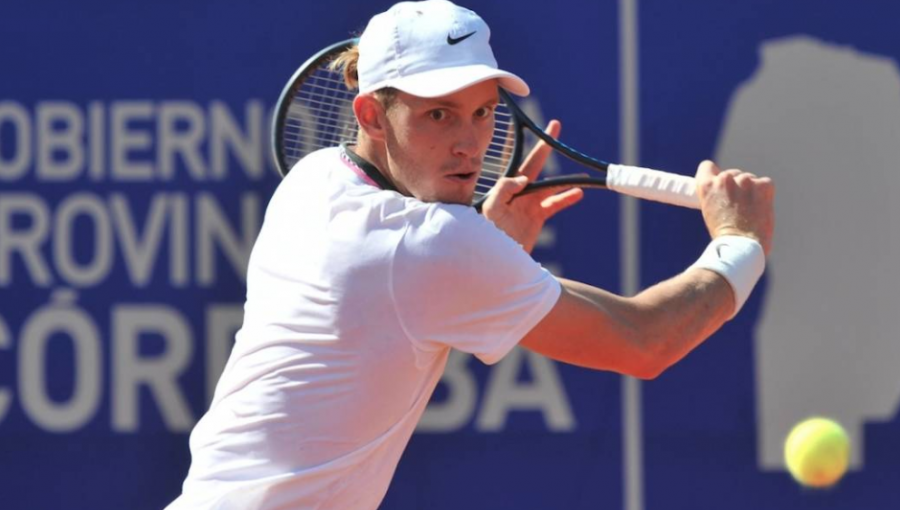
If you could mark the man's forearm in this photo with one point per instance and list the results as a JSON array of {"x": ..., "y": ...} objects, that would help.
[{"x": 669, "y": 319}]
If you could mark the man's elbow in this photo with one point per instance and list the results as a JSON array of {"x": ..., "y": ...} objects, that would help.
[
  {"x": 647, "y": 370},
  {"x": 650, "y": 358}
]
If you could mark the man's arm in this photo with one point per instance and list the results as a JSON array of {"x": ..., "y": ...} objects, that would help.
[
  {"x": 639, "y": 336},
  {"x": 645, "y": 334}
]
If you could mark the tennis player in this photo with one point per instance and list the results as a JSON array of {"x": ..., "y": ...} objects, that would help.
[{"x": 370, "y": 267}]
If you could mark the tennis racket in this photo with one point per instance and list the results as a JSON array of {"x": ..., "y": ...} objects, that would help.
[{"x": 315, "y": 111}]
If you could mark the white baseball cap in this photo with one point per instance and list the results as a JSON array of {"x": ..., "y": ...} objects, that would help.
[{"x": 429, "y": 49}]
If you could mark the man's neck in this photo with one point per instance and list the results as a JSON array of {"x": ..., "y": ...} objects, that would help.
[{"x": 376, "y": 155}]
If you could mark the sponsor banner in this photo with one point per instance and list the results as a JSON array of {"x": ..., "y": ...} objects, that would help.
[{"x": 135, "y": 173}]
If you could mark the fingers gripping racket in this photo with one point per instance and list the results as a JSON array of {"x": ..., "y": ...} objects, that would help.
[{"x": 315, "y": 111}]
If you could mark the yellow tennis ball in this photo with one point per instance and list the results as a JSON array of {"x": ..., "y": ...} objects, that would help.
[{"x": 817, "y": 452}]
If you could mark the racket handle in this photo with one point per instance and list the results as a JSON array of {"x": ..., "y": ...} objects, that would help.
[{"x": 654, "y": 185}]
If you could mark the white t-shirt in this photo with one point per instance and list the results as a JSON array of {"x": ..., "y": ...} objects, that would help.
[{"x": 355, "y": 297}]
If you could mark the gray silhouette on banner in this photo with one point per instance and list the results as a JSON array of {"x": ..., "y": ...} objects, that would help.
[{"x": 824, "y": 121}]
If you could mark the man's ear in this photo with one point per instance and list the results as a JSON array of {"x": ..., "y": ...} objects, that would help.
[{"x": 371, "y": 116}]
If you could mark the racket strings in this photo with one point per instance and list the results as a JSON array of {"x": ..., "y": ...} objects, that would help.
[
  {"x": 320, "y": 115},
  {"x": 499, "y": 152}
]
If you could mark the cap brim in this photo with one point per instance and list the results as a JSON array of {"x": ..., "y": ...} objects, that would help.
[{"x": 441, "y": 82}]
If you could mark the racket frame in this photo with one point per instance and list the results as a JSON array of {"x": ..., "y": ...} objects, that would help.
[
  {"x": 521, "y": 121},
  {"x": 287, "y": 94}
]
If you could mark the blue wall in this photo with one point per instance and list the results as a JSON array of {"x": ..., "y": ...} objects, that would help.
[{"x": 134, "y": 173}]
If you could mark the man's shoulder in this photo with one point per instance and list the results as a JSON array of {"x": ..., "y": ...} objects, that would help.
[
  {"x": 327, "y": 156},
  {"x": 444, "y": 219},
  {"x": 454, "y": 231}
]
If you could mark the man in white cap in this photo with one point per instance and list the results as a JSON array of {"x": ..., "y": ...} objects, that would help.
[{"x": 371, "y": 266}]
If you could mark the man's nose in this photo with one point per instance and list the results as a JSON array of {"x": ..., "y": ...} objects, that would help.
[{"x": 466, "y": 144}]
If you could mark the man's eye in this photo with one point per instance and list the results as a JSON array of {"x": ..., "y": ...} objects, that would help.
[
  {"x": 438, "y": 114},
  {"x": 484, "y": 112}
]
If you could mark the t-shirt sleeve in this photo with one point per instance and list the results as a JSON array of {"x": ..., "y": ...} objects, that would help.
[{"x": 459, "y": 281}]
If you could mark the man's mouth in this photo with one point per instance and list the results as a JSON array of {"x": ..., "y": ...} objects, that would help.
[{"x": 463, "y": 176}]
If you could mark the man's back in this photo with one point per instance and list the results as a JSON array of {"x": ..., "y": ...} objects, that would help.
[
  {"x": 339, "y": 351},
  {"x": 299, "y": 407}
]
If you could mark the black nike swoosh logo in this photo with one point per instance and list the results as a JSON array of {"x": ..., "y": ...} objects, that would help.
[{"x": 456, "y": 40}]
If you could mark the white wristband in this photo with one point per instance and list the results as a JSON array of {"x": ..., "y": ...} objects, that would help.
[{"x": 740, "y": 260}]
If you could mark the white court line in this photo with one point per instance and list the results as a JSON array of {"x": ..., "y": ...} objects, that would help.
[{"x": 629, "y": 248}]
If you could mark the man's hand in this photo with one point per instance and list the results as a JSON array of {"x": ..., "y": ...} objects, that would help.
[
  {"x": 736, "y": 203},
  {"x": 522, "y": 218}
]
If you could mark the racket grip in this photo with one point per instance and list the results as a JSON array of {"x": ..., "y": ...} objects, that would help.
[{"x": 654, "y": 185}]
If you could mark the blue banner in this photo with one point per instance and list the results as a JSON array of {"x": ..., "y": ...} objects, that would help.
[{"x": 135, "y": 172}]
